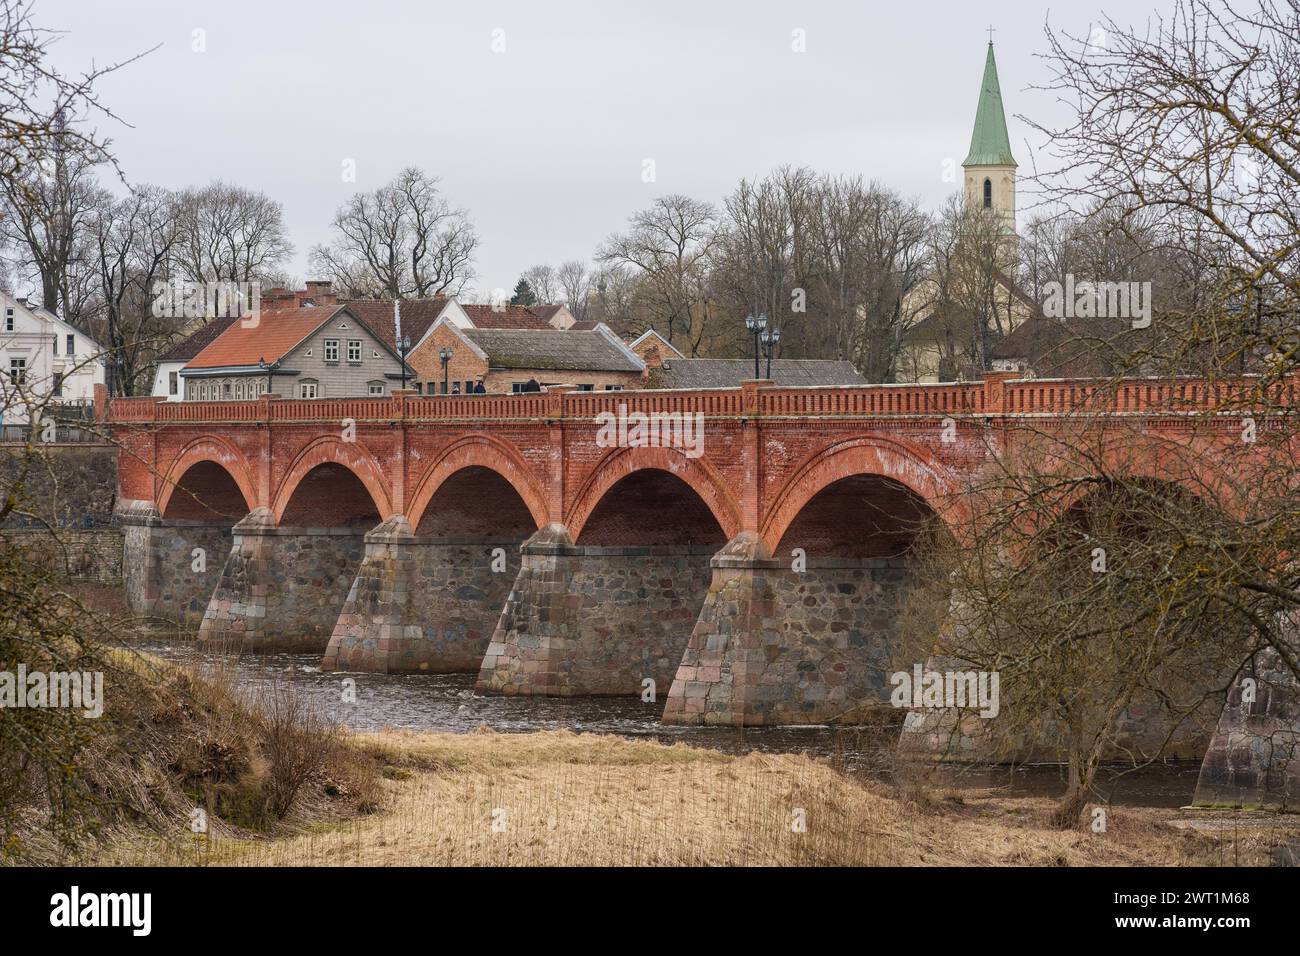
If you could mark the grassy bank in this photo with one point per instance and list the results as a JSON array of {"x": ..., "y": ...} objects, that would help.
[{"x": 556, "y": 798}]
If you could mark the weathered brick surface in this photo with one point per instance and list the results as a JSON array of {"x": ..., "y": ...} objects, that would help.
[
  {"x": 422, "y": 604},
  {"x": 591, "y": 620}
]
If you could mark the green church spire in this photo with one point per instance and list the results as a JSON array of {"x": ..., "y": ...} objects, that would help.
[{"x": 989, "y": 143}]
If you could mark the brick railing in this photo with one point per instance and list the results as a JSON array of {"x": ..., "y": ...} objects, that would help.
[{"x": 999, "y": 393}]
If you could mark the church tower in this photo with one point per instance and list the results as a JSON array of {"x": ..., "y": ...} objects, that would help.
[{"x": 990, "y": 167}]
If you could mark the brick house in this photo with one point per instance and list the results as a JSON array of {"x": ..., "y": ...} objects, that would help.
[{"x": 507, "y": 359}]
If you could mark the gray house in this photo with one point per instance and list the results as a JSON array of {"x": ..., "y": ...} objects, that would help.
[{"x": 311, "y": 352}]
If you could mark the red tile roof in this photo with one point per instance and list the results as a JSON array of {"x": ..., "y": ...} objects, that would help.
[
  {"x": 417, "y": 316},
  {"x": 196, "y": 341},
  {"x": 274, "y": 336},
  {"x": 510, "y": 316}
]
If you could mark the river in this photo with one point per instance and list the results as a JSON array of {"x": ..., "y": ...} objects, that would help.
[{"x": 446, "y": 703}]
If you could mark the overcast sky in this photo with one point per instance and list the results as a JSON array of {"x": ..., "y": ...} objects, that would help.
[{"x": 544, "y": 142}]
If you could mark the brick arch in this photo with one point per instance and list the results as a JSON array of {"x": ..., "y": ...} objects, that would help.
[
  {"x": 212, "y": 449},
  {"x": 618, "y": 464},
  {"x": 1162, "y": 460},
  {"x": 479, "y": 451},
  {"x": 905, "y": 463},
  {"x": 354, "y": 456}
]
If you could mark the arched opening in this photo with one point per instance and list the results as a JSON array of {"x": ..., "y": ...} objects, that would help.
[
  {"x": 330, "y": 496},
  {"x": 465, "y": 556},
  {"x": 639, "y": 577},
  {"x": 477, "y": 501},
  {"x": 849, "y": 560},
  {"x": 206, "y": 492},
  {"x": 651, "y": 508},
  {"x": 864, "y": 516},
  {"x": 988, "y": 194},
  {"x": 1116, "y": 623}
]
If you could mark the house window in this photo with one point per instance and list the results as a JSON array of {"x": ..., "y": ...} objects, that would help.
[
  {"x": 517, "y": 387},
  {"x": 309, "y": 387},
  {"x": 455, "y": 388},
  {"x": 56, "y": 345},
  {"x": 588, "y": 387},
  {"x": 469, "y": 386},
  {"x": 354, "y": 350},
  {"x": 988, "y": 194},
  {"x": 58, "y": 384},
  {"x": 239, "y": 390},
  {"x": 72, "y": 346},
  {"x": 9, "y": 320},
  {"x": 172, "y": 383},
  {"x": 331, "y": 350},
  {"x": 613, "y": 388},
  {"x": 17, "y": 369},
  {"x": 226, "y": 390},
  {"x": 375, "y": 388}
]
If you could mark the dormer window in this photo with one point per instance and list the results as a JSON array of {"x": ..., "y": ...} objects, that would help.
[{"x": 988, "y": 194}]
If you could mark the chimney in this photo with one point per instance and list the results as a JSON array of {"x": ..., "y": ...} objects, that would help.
[
  {"x": 319, "y": 291},
  {"x": 279, "y": 298}
]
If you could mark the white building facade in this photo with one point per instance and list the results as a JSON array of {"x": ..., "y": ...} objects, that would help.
[{"x": 44, "y": 361}]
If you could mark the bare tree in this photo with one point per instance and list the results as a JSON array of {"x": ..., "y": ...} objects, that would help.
[
  {"x": 229, "y": 234},
  {"x": 404, "y": 240},
  {"x": 576, "y": 288},
  {"x": 132, "y": 242},
  {"x": 1192, "y": 120},
  {"x": 669, "y": 245},
  {"x": 545, "y": 283}
]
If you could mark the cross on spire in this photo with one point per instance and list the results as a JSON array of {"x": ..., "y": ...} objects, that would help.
[{"x": 990, "y": 33}]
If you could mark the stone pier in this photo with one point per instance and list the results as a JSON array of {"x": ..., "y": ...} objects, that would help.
[
  {"x": 587, "y": 620},
  {"x": 281, "y": 588},
  {"x": 1253, "y": 760},
  {"x": 422, "y": 604},
  {"x": 775, "y": 645},
  {"x": 174, "y": 563}
]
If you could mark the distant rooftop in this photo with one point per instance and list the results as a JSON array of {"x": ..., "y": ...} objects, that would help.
[{"x": 548, "y": 348}]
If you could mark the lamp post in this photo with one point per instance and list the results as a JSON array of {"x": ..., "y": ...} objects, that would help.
[
  {"x": 756, "y": 327},
  {"x": 444, "y": 355},
  {"x": 404, "y": 347},
  {"x": 770, "y": 338}
]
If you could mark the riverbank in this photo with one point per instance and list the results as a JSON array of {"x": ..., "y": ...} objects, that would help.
[{"x": 557, "y": 798}]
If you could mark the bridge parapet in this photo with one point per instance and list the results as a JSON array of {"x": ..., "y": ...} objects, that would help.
[{"x": 999, "y": 393}]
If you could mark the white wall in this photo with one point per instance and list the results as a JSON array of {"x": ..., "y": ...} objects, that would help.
[{"x": 39, "y": 340}]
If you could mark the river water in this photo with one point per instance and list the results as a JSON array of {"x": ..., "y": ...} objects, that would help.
[{"x": 446, "y": 703}]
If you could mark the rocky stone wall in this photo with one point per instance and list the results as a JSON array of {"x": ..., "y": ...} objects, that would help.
[
  {"x": 1253, "y": 760},
  {"x": 594, "y": 620},
  {"x": 422, "y": 603},
  {"x": 282, "y": 589},
  {"x": 169, "y": 568},
  {"x": 778, "y": 646}
]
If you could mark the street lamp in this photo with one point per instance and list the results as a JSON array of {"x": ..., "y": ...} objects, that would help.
[
  {"x": 770, "y": 338},
  {"x": 404, "y": 347},
  {"x": 444, "y": 354},
  {"x": 756, "y": 326}
]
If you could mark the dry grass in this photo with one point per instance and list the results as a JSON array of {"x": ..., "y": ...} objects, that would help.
[{"x": 557, "y": 798}]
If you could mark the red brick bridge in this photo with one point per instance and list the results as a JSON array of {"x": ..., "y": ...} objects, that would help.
[{"x": 755, "y": 581}]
